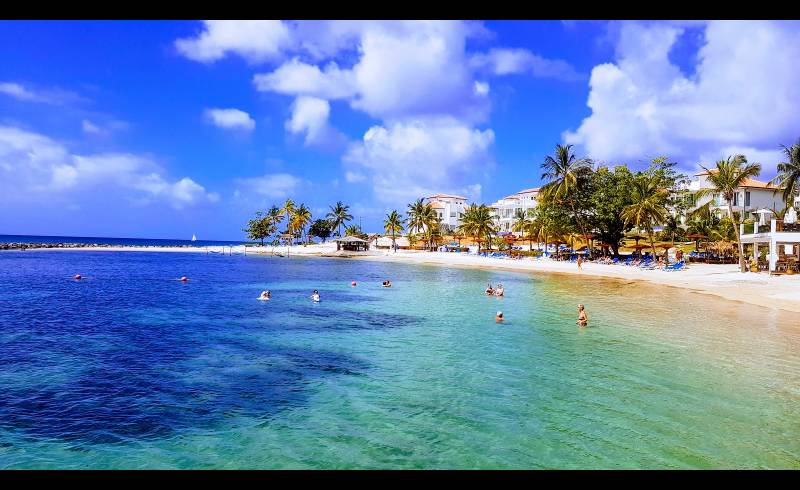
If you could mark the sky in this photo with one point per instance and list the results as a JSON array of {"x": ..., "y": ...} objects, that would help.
[{"x": 164, "y": 129}]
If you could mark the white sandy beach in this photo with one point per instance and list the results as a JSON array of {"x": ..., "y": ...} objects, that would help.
[{"x": 724, "y": 281}]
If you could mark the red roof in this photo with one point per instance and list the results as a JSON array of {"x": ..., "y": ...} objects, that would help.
[{"x": 747, "y": 182}]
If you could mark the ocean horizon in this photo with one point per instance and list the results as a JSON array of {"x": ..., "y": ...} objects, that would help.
[{"x": 140, "y": 242}]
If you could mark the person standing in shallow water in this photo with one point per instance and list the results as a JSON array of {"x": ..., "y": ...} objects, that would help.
[
  {"x": 583, "y": 318},
  {"x": 580, "y": 261}
]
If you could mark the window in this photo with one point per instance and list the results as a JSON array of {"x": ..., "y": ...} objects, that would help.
[
  {"x": 452, "y": 214},
  {"x": 747, "y": 198},
  {"x": 736, "y": 199}
]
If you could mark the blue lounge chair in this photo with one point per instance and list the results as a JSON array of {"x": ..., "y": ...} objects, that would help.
[{"x": 675, "y": 267}]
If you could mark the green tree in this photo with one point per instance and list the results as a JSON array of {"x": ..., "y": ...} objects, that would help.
[
  {"x": 478, "y": 223},
  {"x": 649, "y": 206},
  {"x": 320, "y": 228},
  {"x": 339, "y": 216},
  {"x": 288, "y": 210},
  {"x": 393, "y": 225},
  {"x": 611, "y": 193},
  {"x": 260, "y": 227},
  {"x": 522, "y": 222},
  {"x": 567, "y": 182},
  {"x": 728, "y": 176},
  {"x": 789, "y": 173},
  {"x": 355, "y": 230},
  {"x": 300, "y": 218}
]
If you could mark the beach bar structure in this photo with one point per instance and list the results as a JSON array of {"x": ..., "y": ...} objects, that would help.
[
  {"x": 352, "y": 243},
  {"x": 781, "y": 237}
]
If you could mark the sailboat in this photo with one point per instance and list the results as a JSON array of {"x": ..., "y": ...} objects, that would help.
[{"x": 194, "y": 237}]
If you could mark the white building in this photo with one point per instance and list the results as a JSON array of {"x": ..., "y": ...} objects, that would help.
[
  {"x": 504, "y": 209},
  {"x": 749, "y": 198},
  {"x": 449, "y": 208}
]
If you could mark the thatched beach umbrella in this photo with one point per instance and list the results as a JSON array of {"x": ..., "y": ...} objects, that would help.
[{"x": 696, "y": 237}]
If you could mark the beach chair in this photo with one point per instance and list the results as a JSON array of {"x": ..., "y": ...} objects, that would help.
[{"x": 674, "y": 267}]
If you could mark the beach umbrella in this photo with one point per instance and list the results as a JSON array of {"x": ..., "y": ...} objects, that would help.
[
  {"x": 696, "y": 237},
  {"x": 636, "y": 237}
]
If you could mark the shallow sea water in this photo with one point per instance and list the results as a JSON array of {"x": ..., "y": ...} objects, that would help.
[{"x": 130, "y": 368}]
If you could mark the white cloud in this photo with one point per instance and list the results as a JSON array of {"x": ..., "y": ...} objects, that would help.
[
  {"x": 33, "y": 166},
  {"x": 254, "y": 40},
  {"x": 17, "y": 91},
  {"x": 481, "y": 88},
  {"x": 54, "y": 96},
  {"x": 354, "y": 177},
  {"x": 310, "y": 117},
  {"x": 90, "y": 128},
  {"x": 230, "y": 119},
  {"x": 275, "y": 186},
  {"x": 298, "y": 78},
  {"x": 500, "y": 61},
  {"x": 408, "y": 160},
  {"x": 743, "y": 93}
]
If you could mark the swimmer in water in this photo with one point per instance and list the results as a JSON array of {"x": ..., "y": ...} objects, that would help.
[
  {"x": 265, "y": 295},
  {"x": 183, "y": 279},
  {"x": 315, "y": 296},
  {"x": 583, "y": 318},
  {"x": 77, "y": 277},
  {"x": 498, "y": 318},
  {"x": 499, "y": 291},
  {"x": 489, "y": 290},
  {"x": 353, "y": 284},
  {"x": 387, "y": 284}
]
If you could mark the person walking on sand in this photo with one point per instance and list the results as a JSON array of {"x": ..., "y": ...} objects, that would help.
[
  {"x": 583, "y": 318},
  {"x": 580, "y": 261}
]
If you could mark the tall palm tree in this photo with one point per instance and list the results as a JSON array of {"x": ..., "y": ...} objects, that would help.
[
  {"x": 288, "y": 210},
  {"x": 301, "y": 217},
  {"x": 478, "y": 223},
  {"x": 339, "y": 216},
  {"x": 416, "y": 215},
  {"x": 672, "y": 227},
  {"x": 649, "y": 204},
  {"x": 564, "y": 174},
  {"x": 521, "y": 222},
  {"x": 728, "y": 176},
  {"x": 789, "y": 172},
  {"x": 393, "y": 225}
]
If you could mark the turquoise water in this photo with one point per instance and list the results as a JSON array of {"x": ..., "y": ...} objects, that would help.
[{"x": 130, "y": 368}]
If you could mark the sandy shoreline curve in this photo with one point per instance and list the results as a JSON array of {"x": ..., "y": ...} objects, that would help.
[{"x": 723, "y": 281}]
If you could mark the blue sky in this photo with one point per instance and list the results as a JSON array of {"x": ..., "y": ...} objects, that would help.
[{"x": 165, "y": 129}]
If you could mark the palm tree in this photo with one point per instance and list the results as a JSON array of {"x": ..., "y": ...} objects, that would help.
[
  {"x": 521, "y": 222},
  {"x": 416, "y": 216},
  {"x": 301, "y": 217},
  {"x": 393, "y": 225},
  {"x": 339, "y": 216},
  {"x": 726, "y": 179},
  {"x": 649, "y": 204},
  {"x": 672, "y": 227},
  {"x": 789, "y": 172},
  {"x": 478, "y": 223},
  {"x": 288, "y": 210},
  {"x": 421, "y": 218},
  {"x": 564, "y": 173}
]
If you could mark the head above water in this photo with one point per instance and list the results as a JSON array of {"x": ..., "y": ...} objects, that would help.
[{"x": 500, "y": 313}]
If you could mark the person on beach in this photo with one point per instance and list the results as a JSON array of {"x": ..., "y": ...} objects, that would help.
[
  {"x": 498, "y": 318},
  {"x": 315, "y": 296},
  {"x": 489, "y": 290},
  {"x": 499, "y": 291},
  {"x": 264, "y": 295},
  {"x": 583, "y": 318}
]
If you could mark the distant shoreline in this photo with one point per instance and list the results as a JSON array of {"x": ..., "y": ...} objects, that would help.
[{"x": 722, "y": 281}]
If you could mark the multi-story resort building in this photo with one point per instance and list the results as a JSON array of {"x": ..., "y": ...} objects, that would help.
[
  {"x": 753, "y": 196},
  {"x": 449, "y": 208},
  {"x": 504, "y": 209}
]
